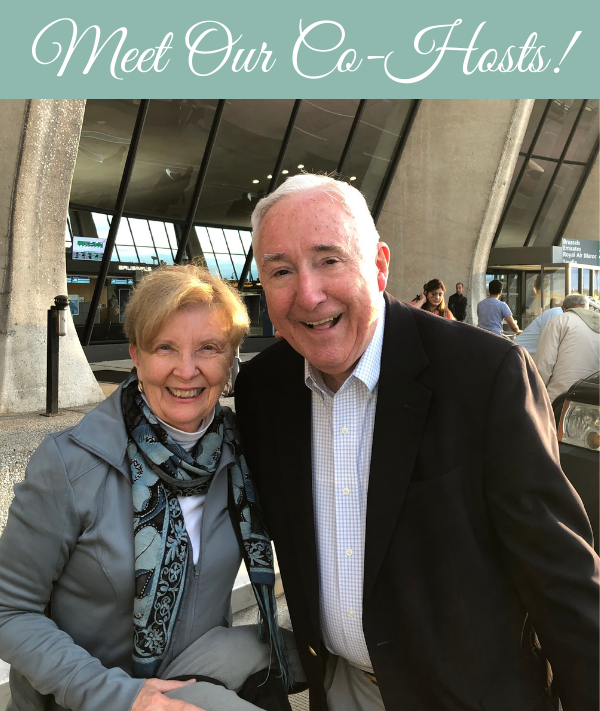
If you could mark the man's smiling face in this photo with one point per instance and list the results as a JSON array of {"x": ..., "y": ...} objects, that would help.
[{"x": 322, "y": 282}]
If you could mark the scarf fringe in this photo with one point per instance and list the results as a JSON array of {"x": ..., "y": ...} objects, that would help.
[{"x": 269, "y": 630}]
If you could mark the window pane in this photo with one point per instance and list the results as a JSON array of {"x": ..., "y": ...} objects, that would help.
[
  {"x": 147, "y": 255},
  {"x": 141, "y": 232},
  {"x": 105, "y": 136},
  {"x": 319, "y": 136},
  {"x": 557, "y": 127},
  {"x": 165, "y": 255},
  {"x": 246, "y": 238},
  {"x": 169, "y": 156},
  {"x": 205, "y": 244},
  {"x": 102, "y": 225},
  {"x": 238, "y": 263},
  {"x": 217, "y": 239},
  {"x": 233, "y": 241},
  {"x": 124, "y": 234},
  {"x": 533, "y": 304},
  {"x": 374, "y": 144},
  {"x": 554, "y": 288},
  {"x": 534, "y": 120},
  {"x": 127, "y": 254},
  {"x": 556, "y": 204},
  {"x": 586, "y": 133},
  {"x": 211, "y": 263},
  {"x": 225, "y": 266},
  {"x": 596, "y": 293},
  {"x": 245, "y": 151},
  {"x": 159, "y": 233},
  {"x": 587, "y": 283},
  {"x": 526, "y": 202},
  {"x": 171, "y": 233}
]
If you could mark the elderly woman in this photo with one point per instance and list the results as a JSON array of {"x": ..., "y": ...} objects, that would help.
[{"x": 124, "y": 540}]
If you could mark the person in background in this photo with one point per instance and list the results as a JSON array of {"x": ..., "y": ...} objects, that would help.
[
  {"x": 457, "y": 303},
  {"x": 530, "y": 337},
  {"x": 492, "y": 311},
  {"x": 569, "y": 347},
  {"x": 432, "y": 299}
]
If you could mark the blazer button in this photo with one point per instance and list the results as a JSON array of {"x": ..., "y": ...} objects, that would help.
[{"x": 312, "y": 651}]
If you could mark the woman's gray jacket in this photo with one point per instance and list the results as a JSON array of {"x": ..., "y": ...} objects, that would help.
[{"x": 67, "y": 572}]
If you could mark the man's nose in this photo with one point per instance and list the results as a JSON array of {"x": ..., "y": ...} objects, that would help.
[{"x": 310, "y": 291}]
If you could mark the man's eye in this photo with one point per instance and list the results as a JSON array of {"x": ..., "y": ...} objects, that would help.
[
  {"x": 281, "y": 272},
  {"x": 164, "y": 348},
  {"x": 331, "y": 260},
  {"x": 208, "y": 348}
]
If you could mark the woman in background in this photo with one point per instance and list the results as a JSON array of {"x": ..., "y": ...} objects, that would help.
[{"x": 432, "y": 299}]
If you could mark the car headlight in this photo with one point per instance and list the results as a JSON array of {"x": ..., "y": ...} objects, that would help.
[{"x": 580, "y": 425}]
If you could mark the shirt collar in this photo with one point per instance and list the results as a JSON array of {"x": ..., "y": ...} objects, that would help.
[{"x": 367, "y": 369}]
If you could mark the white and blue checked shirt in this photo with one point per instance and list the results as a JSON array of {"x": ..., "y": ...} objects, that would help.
[{"x": 342, "y": 436}]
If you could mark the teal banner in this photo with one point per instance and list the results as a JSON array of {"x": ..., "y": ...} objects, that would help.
[{"x": 316, "y": 48}]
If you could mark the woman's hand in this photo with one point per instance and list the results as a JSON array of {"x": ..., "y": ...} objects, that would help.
[
  {"x": 420, "y": 301},
  {"x": 152, "y": 698}
]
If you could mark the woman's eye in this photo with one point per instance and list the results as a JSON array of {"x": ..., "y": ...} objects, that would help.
[{"x": 164, "y": 348}]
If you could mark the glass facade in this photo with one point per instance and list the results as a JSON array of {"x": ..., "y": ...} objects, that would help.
[
  {"x": 228, "y": 157},
  {"x": 560, "y": 144}
]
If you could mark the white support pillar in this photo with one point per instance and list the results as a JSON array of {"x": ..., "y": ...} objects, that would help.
[{"x": 38, "y": 148}]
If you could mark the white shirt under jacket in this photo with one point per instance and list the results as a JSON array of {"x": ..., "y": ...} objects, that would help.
[{"x": 342, "y": 436}]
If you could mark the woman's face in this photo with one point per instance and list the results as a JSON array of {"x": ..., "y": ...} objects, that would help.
[
  {"x": 434, "y": 298},
  {"x": 187, "y": 366}
]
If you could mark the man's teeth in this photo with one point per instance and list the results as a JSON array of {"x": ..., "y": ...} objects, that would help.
[
  {"x": 185, "y": 393},
  {"x": 318, "y": 323}
]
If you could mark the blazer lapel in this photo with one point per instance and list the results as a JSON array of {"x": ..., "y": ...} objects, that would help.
[
  {"x": 292, "y": 429},
  {"x": 402, "y": 405}
]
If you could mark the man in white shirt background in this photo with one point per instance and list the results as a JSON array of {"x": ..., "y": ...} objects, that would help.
[
  {"x": 530, "y": 336},
  {"x": 569, "y": 347},
  {"x": 415, "y": 559}
]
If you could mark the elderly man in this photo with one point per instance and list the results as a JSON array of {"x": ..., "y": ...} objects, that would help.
[
  {"x": 416, "y": 561},
  {"x": 569, "y": 347}
]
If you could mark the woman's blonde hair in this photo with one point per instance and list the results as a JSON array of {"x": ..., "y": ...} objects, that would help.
[{"x": 165, "y": 290}]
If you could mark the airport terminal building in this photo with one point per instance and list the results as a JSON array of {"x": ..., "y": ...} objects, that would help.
[{"x": 94, "y": 194}]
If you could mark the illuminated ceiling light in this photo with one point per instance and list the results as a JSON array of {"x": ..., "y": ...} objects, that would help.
[
  {"x": 269, "y": 177},
  {"x": 353, "y": 177},
  {"x": 301, "y": 166},
  {"x": 256, "y": 181},
  {"x": 285, "y": 172}
]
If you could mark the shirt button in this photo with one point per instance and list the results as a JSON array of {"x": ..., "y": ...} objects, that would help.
[
  {"x": 346, "y": 490},
  {"x": 348, "y": 552},
  {"x": 344, "y": 430},
  {"x": 350, "y": 613}
]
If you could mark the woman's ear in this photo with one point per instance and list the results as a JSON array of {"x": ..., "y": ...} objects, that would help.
[{"x": 133, "y": 355}]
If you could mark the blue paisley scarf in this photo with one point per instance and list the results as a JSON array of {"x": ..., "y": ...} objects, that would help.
[{"x": 161, "y": 471}]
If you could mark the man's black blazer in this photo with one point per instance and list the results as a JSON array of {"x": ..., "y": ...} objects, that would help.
[{"x": 474, "y": 539}]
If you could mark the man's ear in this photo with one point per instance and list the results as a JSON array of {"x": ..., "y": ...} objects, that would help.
[{"x": 382, "y": 261}]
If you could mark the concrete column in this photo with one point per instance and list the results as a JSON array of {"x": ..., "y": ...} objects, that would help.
[
  {"x": 38, "y": 148},
  {"x": 446, "y": 198}
]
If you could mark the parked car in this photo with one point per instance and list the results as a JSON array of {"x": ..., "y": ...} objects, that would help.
[{"x": 577, "y": 414}]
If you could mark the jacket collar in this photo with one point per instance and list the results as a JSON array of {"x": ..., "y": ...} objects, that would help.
[{"x": 102, "y": 432}]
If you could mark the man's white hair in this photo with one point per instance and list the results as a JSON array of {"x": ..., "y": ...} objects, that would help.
[
  {"x": 349, "y": 198},
  {"x": 575, "y": 301}
]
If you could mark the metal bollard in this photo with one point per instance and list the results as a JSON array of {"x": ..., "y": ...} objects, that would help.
[{"x": 57, "y": 326}]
